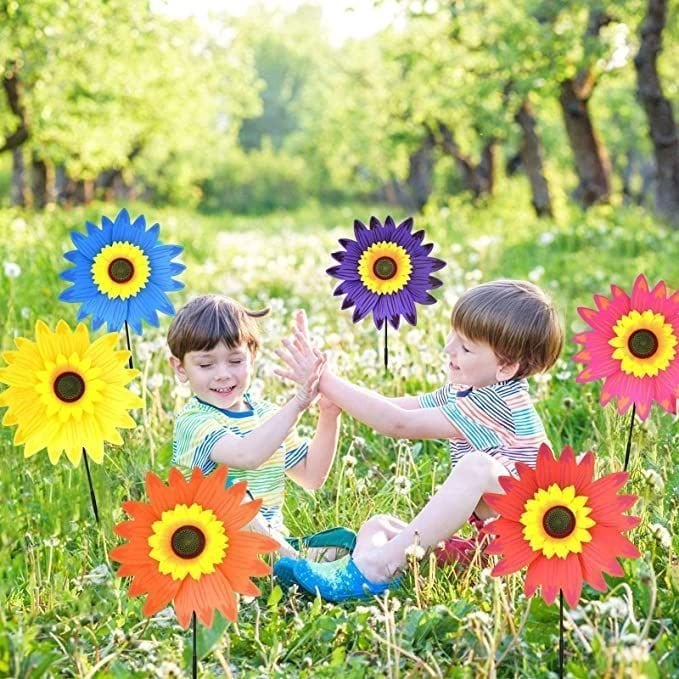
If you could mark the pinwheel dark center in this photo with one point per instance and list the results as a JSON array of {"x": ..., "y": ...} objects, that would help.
[
  {"x": 188, "y": 542},
  {"x": 558, "y": 522},
  {"x": 69, "y": 387},
  {"x": 121, "y": 270},
  {"x": 643, "y": 343},
  {"x": 385, "y": 268}
]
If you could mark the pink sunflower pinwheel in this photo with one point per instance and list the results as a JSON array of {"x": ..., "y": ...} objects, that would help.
[{"x": 632, "y": 346}]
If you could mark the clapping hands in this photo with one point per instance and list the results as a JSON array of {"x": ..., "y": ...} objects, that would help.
[{"x": 304, "y": 363}]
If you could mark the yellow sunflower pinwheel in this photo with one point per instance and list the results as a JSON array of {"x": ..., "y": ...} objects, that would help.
[{"x": 66, "y": 393}]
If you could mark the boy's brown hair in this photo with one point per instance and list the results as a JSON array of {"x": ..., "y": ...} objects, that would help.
[
  {"x": 207, "y": 320},
  {"x": 516, "y": 319}
]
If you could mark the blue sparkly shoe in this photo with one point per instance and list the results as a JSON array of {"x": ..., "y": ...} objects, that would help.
[
  {"x": 283, "y": 569},
  {"x": 338, "y": 580}
]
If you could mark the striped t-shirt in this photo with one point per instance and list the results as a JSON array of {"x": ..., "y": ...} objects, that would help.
[
  {"x": 199, "y": 425},
  {"x": 499, "y": 419}
]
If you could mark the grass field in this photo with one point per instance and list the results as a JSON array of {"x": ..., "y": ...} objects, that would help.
[{"x": 65, "y": 614}]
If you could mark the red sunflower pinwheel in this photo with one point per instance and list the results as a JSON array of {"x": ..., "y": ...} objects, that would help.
[
  {"x": 563, "y": 525},
  {"x": 186, "y": 545},
  {"x": 632, "y": 346}
]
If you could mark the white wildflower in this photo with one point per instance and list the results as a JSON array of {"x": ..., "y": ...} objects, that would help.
[
  {"x": 415, "y": 552},
  {"x": 11, "y": 269},
  {"x": 143, "y": 351},
  {"x": 181, "y": 390},
  {"x": 402, "y": 485},
  {"x": 661, "y": 534},
  {"x": 654, "y": 479},
  {"x": 546, "y": 238},
  {"x": 536, "y": 274},
  {"x": 165, "y": 618},
  {"x": 350, "y": 461},
  {"x": 98, "y": 575},
  {"x": 155, "y": 381}
]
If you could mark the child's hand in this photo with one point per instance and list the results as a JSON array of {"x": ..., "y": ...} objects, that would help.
[
  {"x": 325, "y": 405},
  {"x": 299, "y": 356},
  {"x": 308, "y": 390}
]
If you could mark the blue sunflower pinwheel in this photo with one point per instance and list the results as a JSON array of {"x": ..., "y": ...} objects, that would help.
[{"x": 122, "y": 273}]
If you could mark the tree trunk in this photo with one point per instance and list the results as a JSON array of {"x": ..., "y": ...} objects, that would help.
[
  {"x": 18, "y": 178},
  {"x": 420, "y": 171},
  {"x": 42, "y": 183},
  {"x": 532, "y": 159},
  {"x": 39, "y": 183},
  {"x": 84, "y": 192},
  {"x": 661, "y": 124},
  {"x": 591, "y": 160},
  {"x": 477, "y": 178},
  {"x": 12, "y": 86}
]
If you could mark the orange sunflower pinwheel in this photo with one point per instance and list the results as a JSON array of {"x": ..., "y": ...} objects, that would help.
[
  {"x": 187, "y": 546},
  {"x": 560, "y": 523}
]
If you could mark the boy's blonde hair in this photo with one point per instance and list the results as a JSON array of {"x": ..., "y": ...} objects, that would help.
[
  {"x": 207, "y": 320},
  {"x": 516, "y": 319}
]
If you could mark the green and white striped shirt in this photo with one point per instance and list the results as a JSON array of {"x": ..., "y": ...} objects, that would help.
[{"x": 199, "y": 425}]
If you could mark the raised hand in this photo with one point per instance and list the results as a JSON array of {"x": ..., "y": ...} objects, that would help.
[
  {"x": 298, "y": 354},
  {"x": 308, "y": 388}
]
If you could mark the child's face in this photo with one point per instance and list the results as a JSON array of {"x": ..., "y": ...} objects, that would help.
[
  {"x": 218, "y": 376},
  {"x": 474, "y": 364}
]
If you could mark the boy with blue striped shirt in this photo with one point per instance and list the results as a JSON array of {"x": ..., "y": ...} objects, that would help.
[{"x": 501, "y": 333}]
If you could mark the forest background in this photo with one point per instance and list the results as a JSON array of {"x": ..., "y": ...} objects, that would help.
[{"x": 529, "y": 138}]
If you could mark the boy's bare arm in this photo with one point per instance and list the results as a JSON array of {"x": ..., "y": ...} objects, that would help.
[
  {"x": 312, "y": 471},
  {"x": 382, "y": 414},
  {"x": 250, "y": 451}
]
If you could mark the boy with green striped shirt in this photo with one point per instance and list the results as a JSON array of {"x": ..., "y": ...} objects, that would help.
[{"x": 214, "y": 341}]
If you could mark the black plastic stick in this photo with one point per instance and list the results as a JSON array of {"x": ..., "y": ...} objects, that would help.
[
  {"x": 89, "y": 480},
  {"x": 628, "y": 449},
  {"x": 561, "y": 643},
  {"x": 129, "y": 345},
  {"x": 195, "y": 654}
]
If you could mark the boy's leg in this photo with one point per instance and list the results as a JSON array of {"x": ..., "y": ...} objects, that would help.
[{"x": 461, "y": 494}]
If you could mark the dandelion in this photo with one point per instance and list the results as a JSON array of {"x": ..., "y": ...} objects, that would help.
[
  {"x": 654, "y": 480},
  {"x": 402, "y": 485},
  {"x": 415, "y": 552},
  {"x": 536, "y": 274},
  {"x": 169, "y": 670},
  {"x": 98, "y": 575},
  {"x": 661, "y": 534},
  {"x": 11, "y": 269},
  {"x": 350, "y": 461},
  {"x": 155, "y": 382}
]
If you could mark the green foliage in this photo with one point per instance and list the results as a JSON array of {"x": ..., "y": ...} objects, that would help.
[
  {"x": 65, "y": 613},
  {"x": 259, "y": 181}
]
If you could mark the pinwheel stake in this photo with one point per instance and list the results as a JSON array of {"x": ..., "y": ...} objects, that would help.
[
  {"x": 188, "y": 546},
  {"x": 89, "y": 481},
  {"x": 564, "y": 525},
  {"x": 65, "y": 389},
  {"x": 634, "y": 347},
  {"x": 386, "y": 271},
  {"x": 129, "y": 345}
]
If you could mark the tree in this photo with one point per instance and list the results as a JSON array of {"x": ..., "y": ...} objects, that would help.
[{"x": 662, "y": 127}]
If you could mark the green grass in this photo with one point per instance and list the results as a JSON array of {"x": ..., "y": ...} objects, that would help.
[{"x": 65, "y": 614}]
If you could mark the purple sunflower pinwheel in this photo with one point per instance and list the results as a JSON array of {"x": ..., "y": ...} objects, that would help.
[{"x": 386, "y": 270}]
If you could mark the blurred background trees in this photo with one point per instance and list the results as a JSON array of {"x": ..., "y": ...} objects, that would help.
[{"x": 574, "y": 100}]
